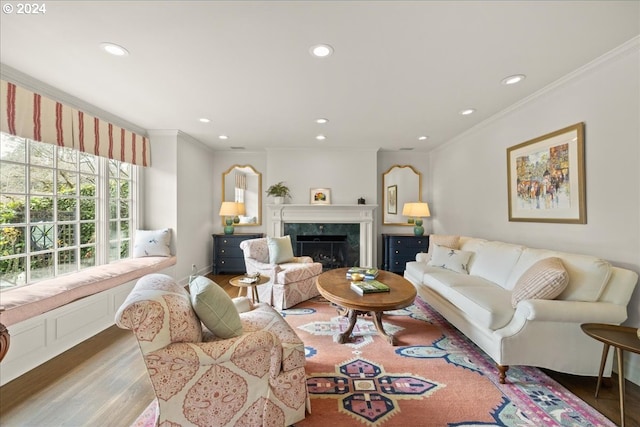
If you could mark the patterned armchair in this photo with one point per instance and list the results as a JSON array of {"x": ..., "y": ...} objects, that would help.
[
  {"x": 291, "y": 282},
  {"x": 254, "y": 379}
]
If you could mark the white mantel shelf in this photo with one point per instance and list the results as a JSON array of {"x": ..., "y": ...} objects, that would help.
[{"x": 278, "y": 215}]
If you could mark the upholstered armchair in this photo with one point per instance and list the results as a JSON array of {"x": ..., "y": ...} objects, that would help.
[
  {"x": 293, "y": 279},
  {"x": 248, "y": 372}
]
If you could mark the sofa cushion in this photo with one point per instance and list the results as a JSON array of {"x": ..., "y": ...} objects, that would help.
[
  {"x": 452, "y": 242},
  {"x": 215, "y": 308},
  {"x": 495, "y": 260},
  {"x": 545, "y": 279},
  {"x": 588, "y": 275},
  {"x": 280, "y": 249},
  {"x": 451, "y": 259},
  {"x": 488, "y": 305}
]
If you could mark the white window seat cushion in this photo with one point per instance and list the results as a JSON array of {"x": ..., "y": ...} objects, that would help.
[{"x": 28, "y": 301}]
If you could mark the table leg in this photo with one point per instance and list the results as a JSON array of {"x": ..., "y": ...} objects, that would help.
[
  {"x": 240, "y": 292},
  {"x": 254, "y": 290},
  {"x": 603, "y": 361},
  {"x": 621, "y": 383},
  {"x": 344, "y": 337},
  {"x": 377, "y": 319}
]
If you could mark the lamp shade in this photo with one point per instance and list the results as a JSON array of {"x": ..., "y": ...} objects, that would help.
[
  {"x": 416, "y": 209},
  {"x": 242, "y": 210},
  {"x": 407, "y": 208},
  {"x": 229, "y": 209},
  {"x": 420, "y": 210}
]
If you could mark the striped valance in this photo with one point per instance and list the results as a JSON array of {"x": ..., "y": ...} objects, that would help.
[{"x": 29, "y": 115}]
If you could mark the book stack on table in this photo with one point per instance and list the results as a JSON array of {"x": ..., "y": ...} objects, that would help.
[
  {"x": 369, "y": 273},
  {"x": 369, "y": 287}
]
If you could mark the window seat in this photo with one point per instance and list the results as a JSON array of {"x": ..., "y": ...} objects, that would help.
[
  {"x": 29, "y": 301},
  {"x": 49, "y": 317}
]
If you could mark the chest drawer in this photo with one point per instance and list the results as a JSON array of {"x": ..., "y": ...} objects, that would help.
[
  {"x": 227, "y": 255},
  {"x": 400, "y": 243}
]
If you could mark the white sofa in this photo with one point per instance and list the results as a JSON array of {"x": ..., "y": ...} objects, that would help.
[{"x": 538, "y": 332}]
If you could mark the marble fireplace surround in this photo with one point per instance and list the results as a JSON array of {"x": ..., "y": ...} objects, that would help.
[{"x": 278, "y": 215}]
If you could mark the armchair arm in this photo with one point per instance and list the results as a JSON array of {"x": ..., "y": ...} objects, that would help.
[
  {"x": 257, "y": 352},
  {"x": 571, "y": 311},
  {"x": 255, "y": 266},
  {"x": 302, "y": 259}
]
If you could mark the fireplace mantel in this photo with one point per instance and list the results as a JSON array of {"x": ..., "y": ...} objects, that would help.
[{"x": 278, "y": 215}]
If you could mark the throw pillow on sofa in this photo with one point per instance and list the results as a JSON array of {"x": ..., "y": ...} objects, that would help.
[
  {"x": 546, "y": 279},
  {"x": 452, "y": 242},
  {"x": 215, "y": 308},
  {"x": 451, "y": 259}
]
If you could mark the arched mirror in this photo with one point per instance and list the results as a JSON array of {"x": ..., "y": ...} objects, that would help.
[
  {"x": 400, "y": 185},
  {"x": 243, "y": 184}
]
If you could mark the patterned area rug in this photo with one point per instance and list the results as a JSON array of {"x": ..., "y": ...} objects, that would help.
[{"x": 434, "y": 376}]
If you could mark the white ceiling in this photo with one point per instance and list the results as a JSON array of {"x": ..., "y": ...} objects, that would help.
[{"x": 400, "y": 69}]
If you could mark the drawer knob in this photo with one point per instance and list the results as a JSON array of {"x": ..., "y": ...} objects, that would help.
[
  {"x": 222, "y": 250},
  {"x": 397, "y": 252}
]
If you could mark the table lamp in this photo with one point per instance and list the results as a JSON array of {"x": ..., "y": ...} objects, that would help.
[
  {"x": 229, "y": 210},
  {"x": 242, "y": 210},
  {"x": 406, "y": 211},
  {"x": 417, "y": 210}
]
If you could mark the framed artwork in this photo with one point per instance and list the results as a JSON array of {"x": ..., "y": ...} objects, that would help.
[
  {"x": 392, "y": 199},
  {"x": 320, "y": 196},
  {"x": 546, "y": 178}
]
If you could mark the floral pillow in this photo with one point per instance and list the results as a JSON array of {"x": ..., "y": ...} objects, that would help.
[
  {"x": 152, "y": 243},
  {"x": 452, "y": 242},
  {"x": 451, "y": 259}
]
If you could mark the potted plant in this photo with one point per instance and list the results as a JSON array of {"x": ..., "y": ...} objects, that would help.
[{"x": 278, "y": 191}]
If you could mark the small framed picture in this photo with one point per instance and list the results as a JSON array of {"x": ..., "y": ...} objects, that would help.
[{"x": 320, "y": 196}]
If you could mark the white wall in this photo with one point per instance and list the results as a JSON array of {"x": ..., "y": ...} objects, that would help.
[
  {"x": 470, "y": 179},
  {"x": 349, "y": 173},
  {"x": 177, "y": 194}
]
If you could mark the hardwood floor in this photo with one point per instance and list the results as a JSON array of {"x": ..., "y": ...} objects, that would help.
[{"x": 103, "y": 382}]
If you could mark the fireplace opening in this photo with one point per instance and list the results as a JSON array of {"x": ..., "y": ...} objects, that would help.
[{"x": 332, "y": 251}]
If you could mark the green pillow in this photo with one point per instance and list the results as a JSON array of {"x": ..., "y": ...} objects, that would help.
[
  {"x": 215, "y": 308},
  {"x": 280, "y": 249}
]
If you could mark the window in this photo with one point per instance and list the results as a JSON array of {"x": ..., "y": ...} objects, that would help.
[{"x": 52, "y": 204}]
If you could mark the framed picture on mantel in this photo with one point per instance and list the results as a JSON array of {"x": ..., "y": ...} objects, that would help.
[
  {"x": 546, "y": 178},
  {"x": 320, "y": 196}
]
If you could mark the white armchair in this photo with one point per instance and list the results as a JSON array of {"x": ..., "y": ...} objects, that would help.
[{"x": 291, "y": 281}]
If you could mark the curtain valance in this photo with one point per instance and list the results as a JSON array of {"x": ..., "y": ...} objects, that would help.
[{"x": 30, "y": 115}]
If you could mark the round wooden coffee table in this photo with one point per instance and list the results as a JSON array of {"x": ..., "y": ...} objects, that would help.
[{"x": 334, "y": 286}]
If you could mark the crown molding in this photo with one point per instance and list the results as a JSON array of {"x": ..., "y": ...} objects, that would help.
[{"x": 627, "y": 48}]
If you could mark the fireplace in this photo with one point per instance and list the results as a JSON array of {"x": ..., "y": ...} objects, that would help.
[
  {"x": 355, "y": 221},
  {"x": 332, "y": 251}
]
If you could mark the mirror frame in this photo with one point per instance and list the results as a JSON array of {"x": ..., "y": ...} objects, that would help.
[
  {"x": 418, "y": 197},
  {"x": 259, "y": 192}
]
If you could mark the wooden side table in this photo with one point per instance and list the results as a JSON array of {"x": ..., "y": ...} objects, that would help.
[
  {"x": 237, "y": 282},
  {"x": 621, "y": 338}
]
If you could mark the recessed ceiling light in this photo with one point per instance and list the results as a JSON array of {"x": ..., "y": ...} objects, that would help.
[
  {"x": 511, "y": 80},
  {"x": 114, "y": 49},
  {"x": 322, "y": 121},
  {"x": 321, "y": 50},
  {"x": 204, "y": 120},
  {"x": 321, "y": 137},
  {"x": 467, "y": 111},
  {"x": 223, "y": 137},
  {"x": 422, "y": 138}
]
